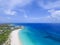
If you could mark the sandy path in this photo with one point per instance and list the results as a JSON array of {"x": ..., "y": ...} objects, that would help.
[{"x": 15, "y": 38}]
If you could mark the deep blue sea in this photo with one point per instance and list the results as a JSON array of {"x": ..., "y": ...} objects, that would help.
[{"x": 40, "y": 34}]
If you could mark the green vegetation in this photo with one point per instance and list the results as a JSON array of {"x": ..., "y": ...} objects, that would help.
[
  {"x": 4, "y": 36},
  {"x": 5, "y": 30},
  {"x": 4, "y": 33}
]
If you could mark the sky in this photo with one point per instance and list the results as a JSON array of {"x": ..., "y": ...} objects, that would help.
[{"x": 29, "y": 11}]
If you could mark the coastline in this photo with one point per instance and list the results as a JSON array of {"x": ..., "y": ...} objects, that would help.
[{"x": 13, "y": 38}]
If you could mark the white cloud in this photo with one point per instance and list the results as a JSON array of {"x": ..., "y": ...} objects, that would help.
[
  {"x": 55, "y": 15},
  {"x": 49, "y": 4},
  {"x": 25, "y": 16},
  {"x": 12, "y": 3},
  {"x": 24, "y": 13},
  {"x": 10, "y": 12}
]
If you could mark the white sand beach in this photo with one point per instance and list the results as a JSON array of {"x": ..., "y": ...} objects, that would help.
[{"x": 15, "y": 38}]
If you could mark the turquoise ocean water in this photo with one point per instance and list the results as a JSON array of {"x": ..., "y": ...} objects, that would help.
[{"x": 40, "y": 34}]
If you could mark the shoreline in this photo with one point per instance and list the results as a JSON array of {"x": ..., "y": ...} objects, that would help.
[{"x": 13, "y": 38}]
